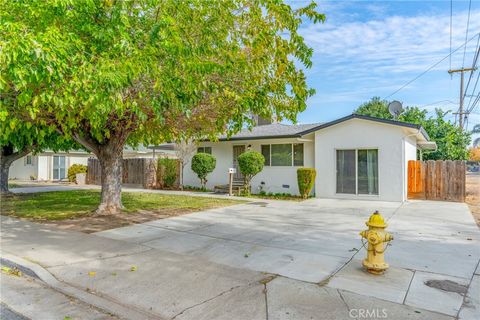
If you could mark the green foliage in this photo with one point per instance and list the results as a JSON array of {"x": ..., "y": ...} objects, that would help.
[
  {"x": 451, "y": 141},
  {"x": 110, "y": 73},
  {"x": 167, "y": 172},
  {"x": 306, "y": 180},
  {"x": 74, "y": 169},
  {"x": 150, "y": 71},
  {"x": 375, "y": 108},
  {"x": 202, "y": 165},
  {"x": 250, "y": 163}
]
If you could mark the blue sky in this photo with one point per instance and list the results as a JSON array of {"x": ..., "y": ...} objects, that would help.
[{"x": 372, "y": 48}]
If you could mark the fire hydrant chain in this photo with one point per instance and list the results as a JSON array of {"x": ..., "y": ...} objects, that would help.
[{"x": 378, "y": 242}]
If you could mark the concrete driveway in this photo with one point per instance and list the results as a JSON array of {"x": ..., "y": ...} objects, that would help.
[{"x": 434, "y": 257}]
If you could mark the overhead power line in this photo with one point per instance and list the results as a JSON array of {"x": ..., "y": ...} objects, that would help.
[
  {"x": 474, "y": 63},
  {"x": 432, "y": 66},
  {"x": 466, "y": 33},
  {"x": 451, "y": 15}
]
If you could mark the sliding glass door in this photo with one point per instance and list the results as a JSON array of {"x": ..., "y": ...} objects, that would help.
[
  {"x": 346, "y": 171},
  {"x": 367, "y": 171},
  {"x": 357, "y": 171},
  {"x": 59, "y": 168}
]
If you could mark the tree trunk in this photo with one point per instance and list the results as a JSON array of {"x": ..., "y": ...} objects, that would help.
[
  {"x": 4, "y": 168},
  {"x": 7, "y": 157},
  {"x": 111, "y": 163},
  {"x": 182, "y": 167}
]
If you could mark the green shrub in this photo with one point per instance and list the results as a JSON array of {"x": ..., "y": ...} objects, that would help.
[
  {"x": 306, "y": 180},
  {"x": 167, "y": 172},
  {"x": 202, "y": 165},
  {"x": 250, "y": 164},
  {"x": 74, "y": 169}
]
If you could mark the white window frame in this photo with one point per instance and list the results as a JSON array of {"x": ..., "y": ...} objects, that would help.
[
  {"x": 31, "y": 160},
  {"x": 356, "y": 171},
  {"x": 292, "y": 150},
  {"x": 211, "y": 149}
]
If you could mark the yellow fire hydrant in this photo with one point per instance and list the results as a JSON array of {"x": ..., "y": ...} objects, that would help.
[{"x": 377, "y": 239}]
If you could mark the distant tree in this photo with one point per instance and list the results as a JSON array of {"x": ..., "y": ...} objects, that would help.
[
  {"x": 115, "y": 73},
  {"x": 452, "y": 142},
  {"x": 474, "y": 154},
  {"x": 475, "y": 130},
  {"x": 376, "y": 107}
]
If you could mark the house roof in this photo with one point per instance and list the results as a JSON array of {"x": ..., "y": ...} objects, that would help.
[
  {"x": 270, "y": 131},
  {"x": 278, "y": 130}
]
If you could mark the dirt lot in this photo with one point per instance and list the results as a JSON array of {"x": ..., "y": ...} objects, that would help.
[{"x": 473, "y": 195}]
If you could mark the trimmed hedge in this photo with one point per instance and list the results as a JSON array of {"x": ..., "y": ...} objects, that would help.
[
  {"x": 250, "y": 163},
  {"x": 202, "y": 165},
  {"x": 306, "y": 180},
  {"x": 74, "y": 169}
]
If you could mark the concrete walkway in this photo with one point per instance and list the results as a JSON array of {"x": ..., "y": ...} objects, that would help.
[{"x": 284, "y": 260}]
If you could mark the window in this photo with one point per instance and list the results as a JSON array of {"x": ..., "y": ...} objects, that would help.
[
  {"x": 28, "y": 160},
  {"x": 283, "y": 154},
  {"x": 59, "y": 168},
  {"x": 204, "y": 150},
  {"x": 357, "y": 171},
  {"x": 298, "y": 154}
]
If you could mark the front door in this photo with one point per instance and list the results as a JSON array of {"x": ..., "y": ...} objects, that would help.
[
  {"x": 237, "y": 150},
  {"x": 59, "y": 167}
]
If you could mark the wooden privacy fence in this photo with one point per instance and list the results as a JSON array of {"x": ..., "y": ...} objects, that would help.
[
  {"x": 135, "y": 171},
  {"x": 139, "y": 171},
  {"x": 436, "y": 180}
]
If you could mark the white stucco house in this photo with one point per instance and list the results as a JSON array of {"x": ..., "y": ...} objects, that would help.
[{"x": 356, "y": 157}]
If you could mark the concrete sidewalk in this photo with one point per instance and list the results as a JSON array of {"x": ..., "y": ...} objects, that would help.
[{"x": 259, "y": 261}]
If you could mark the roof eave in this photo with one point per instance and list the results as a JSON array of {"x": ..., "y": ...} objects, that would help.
[{"x": 363, "y": 117}]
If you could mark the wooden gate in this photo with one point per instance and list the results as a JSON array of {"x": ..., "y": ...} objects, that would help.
[{"x": 436, "y": 180}]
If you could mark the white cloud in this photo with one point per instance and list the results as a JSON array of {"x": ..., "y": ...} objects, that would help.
[{"x": 394, "y": 44}]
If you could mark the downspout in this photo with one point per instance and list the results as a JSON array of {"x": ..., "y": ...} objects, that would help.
[{"x": 404, "y": 179}]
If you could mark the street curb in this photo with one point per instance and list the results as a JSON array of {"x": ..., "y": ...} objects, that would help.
[{"x": 109, "y": 306}]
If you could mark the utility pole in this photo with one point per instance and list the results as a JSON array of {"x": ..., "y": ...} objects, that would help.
[{"x": 460, "y": 110}]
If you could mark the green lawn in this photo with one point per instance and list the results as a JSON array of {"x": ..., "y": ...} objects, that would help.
[{"x": 58, "y": 205}]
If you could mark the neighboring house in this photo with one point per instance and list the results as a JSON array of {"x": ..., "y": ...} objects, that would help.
[
  {"x": 50, "y": 166},
  {"x": 47, "y": 166},
  {"x": 356, "y": 157}
]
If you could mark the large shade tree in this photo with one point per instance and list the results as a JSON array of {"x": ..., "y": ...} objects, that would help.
[{"x": 148, "y": 71}]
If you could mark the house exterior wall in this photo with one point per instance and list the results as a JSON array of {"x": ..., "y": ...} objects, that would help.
[
  {"x": 22, "y": 171},
  {"x": 393, "y": 154},
  {"x": 276, "y": 178}
]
